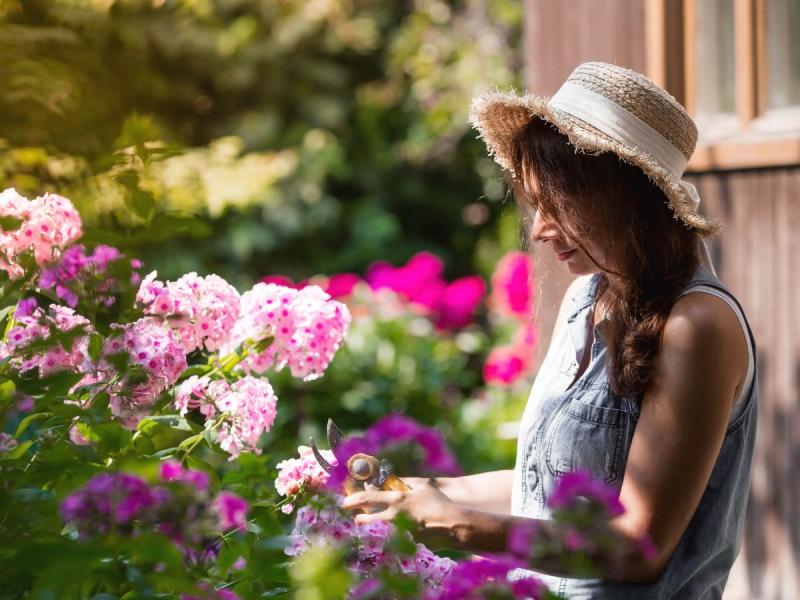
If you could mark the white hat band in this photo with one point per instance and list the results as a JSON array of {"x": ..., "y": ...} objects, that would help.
[{"x": 625, "y": 127}]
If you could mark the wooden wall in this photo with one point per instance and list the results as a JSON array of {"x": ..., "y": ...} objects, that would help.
[
  {"x": 759, "y": 259},
  {"x": 757, "y": 256}
]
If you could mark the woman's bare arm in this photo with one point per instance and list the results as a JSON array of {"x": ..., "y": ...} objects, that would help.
[{"x": 488, "y": 492}]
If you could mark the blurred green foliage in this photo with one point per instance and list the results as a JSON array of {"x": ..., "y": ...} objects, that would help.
[{"x": 247, "y": 137}]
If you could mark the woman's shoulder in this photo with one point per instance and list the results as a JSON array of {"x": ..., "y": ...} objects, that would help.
[{"x": 702, "y": 328}]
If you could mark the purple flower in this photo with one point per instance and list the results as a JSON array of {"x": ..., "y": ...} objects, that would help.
[
  {"x": 394, "y": 429},
  {"x": 581, "y": 484},
  {"x": 25, "y": 308},
  {"x": 80, "y": 274},
  {"x": 110, "y": 499}
]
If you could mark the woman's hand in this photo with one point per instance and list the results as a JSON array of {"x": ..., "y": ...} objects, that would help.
[{"x": 425, "y": 504}]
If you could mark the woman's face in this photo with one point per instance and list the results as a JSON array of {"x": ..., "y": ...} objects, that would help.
[{"x": 565, "y": 249}]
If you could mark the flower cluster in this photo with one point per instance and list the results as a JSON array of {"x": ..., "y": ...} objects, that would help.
[
  {"x": 180, "y": 507},
  {"x": 451, "y": 305},
  {"x": 477, "y": 579},
  {"x": 201, "y": 310},
  {"x": 296, "y": 475},
  {"x": 43, "y": 227},
  {"x": 112, "y": 501},
  {"x": 243, "y": 410},
  {"x": 80, "y": 275},
  {"x": 49, "y": 340},
  {"x": 584, "y": 507},
  {"x": 156, "y": 363},
  {"x": 398, "y": 430},
  {"x": 369, "y": 549},
  {"x": 409, "y": 446},
  {"x": 305, "y": 327},
  {"x": 512, "y": 298}
]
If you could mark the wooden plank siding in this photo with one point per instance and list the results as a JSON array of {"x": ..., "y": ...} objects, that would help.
[{"x": 757, "y": 256}]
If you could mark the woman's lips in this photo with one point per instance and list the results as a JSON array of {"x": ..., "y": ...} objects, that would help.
[{"x": 565, "y": 255}]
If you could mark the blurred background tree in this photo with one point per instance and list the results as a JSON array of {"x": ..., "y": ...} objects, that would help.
[
  {"x": 248, "y": 137},
  {"x": 293, "y": 137}
]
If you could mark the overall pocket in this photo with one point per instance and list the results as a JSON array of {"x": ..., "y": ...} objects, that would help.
[{"x": 586, "y": 436}]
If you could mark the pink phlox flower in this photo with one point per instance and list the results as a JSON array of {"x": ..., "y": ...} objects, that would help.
[
  {"x": 574, "y": 489},
  {"x": 75, "y": 270},
  {"x": 201, "y": 310},
  {"x": 249, "y": 410},
  {"x": 305, "y": 326},
  {"x": 156, "y": 353},
  {"x": 47, "y": 225},
  {"x": 61, "y": 331},
  {"x": 293, "y": 473}
]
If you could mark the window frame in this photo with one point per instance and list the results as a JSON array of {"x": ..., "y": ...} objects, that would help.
[{"x": 755, "y": 137}]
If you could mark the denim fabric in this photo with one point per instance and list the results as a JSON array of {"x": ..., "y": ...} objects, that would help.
[{"x": 589, "y": 427}]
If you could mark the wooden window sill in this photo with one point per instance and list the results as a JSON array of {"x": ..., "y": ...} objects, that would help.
[{"x": 771, "y": 140}]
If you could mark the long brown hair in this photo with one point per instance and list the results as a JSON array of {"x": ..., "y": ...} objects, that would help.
[{"x": 599, "y": 197}]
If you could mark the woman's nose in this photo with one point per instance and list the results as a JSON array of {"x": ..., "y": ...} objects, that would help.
[{"x": 543, "y": 230}]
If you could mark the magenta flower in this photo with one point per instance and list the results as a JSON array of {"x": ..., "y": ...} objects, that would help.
[
  {"x": 574, "y": 488},
  {"x": 232, "y": 510},
  {"x": 341, "y": 285},
  {"x": 504, "y": 366},
  {"x": 451, "y": 306},
  {"x": 478, "y": 579},
  {"x": 111, "y": 499},
  {"x": 458, "y": 301},
  {"x": 507, "y": 364},
  {"x": 512, "y": 286}
]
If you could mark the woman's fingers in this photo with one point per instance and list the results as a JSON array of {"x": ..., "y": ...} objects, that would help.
[
  {"x": 367, "y": 518},
  {"x": 369, "y": 498}
]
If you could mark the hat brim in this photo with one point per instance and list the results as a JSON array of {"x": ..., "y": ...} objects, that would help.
[{"x": 498, "y": 116}]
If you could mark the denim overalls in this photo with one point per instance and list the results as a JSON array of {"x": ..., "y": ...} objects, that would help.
[{"x": 589, "y": 427}]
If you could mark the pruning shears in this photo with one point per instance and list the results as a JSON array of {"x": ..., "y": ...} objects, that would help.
[{"x": 364, "y": 472}]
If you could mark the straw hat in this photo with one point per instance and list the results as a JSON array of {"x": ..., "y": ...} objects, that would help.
[{"x": 605, "y": 108}]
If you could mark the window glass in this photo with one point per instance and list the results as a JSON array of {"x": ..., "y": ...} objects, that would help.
[
  {"x": 714, "y": 58},
  {"x": 783, "y": 53}
]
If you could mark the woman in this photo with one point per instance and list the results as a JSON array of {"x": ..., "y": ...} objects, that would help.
[{"x": 647, "y": 383}]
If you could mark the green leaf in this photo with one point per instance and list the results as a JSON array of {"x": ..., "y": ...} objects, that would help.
[
  {"x": 9, "y": 223},
  {"x": 23, "y": 425},
  {"x": 95, "y": 348},
  {"x": 17, "y": 452}
]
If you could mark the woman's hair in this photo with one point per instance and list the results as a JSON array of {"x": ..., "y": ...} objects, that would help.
[{"x": 601, "y": 199}]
